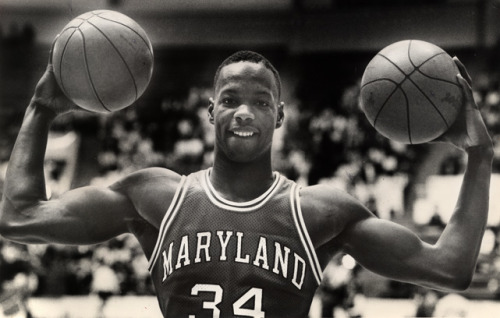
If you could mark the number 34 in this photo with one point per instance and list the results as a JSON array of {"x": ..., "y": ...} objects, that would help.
[{"x": 238, "y": 309}]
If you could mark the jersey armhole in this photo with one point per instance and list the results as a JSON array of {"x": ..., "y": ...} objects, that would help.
[
  {"x": 167, "y": 218},
  {"x": 304, "y": 234}
]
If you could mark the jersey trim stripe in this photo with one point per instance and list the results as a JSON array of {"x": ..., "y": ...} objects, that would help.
[
  {"x": 176, "y": 203},
  {"x": 304, "y": 234},
  {"x": 247, "y": 206}
]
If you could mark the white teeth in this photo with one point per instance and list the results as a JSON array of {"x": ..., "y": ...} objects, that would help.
[{"x": 243, "y": 133}]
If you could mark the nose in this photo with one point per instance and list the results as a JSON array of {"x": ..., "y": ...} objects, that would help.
[{"x": 244, "y": 113}]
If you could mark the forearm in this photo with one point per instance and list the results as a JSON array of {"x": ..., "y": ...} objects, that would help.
[
  {"x": 461, "y": 239},
  {"x": 25, "y": 181}
]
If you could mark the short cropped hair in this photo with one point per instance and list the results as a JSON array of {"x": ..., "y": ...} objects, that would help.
[{"x": 249, "y": 56}]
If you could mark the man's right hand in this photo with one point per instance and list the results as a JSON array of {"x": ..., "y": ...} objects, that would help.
[{"x": 49, "y": 95}]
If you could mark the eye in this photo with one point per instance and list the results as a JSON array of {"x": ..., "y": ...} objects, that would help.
[
  {"x": 262, "y": 103},
  {"x": 228, "y": 101}
]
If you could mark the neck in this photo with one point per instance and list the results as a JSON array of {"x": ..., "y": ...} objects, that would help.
[{"x": 241, "y": 182}]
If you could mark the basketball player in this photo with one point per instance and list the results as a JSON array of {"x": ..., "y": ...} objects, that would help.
[{"x": 239, "y": 239}]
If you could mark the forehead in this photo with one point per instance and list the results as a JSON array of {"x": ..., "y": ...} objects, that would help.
[{"x": 247, "y": 73}]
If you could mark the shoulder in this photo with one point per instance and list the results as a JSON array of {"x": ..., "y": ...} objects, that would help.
[
  {"x": 327, "y": 211},
  {"x": 147, "y": 176},
  {"x": 326, "y": 197},
  {"x": 150, "y": 191}
]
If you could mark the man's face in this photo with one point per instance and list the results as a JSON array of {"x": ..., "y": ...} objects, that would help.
[{"x": 245, "y": 110}]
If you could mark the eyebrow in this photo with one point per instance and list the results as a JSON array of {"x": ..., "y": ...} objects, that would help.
[{"x": 232, "y": 90}]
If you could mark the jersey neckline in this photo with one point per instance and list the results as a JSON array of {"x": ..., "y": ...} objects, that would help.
[{"x": 245, "y": 206}]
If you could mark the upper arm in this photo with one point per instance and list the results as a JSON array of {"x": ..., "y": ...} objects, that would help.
[
  {"x": 328, "y": 212},
  {"x": 84, "y": 215},
  {"x": 381, "y": 246},
  {"x": 389, "y": 249},
  {"x": 90, "y": 215}
]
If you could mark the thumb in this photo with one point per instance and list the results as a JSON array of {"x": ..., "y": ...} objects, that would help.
[
  {"x": 468, "y": 95},
  {"x": 51, "y": 52},
  {"x": 463, "y": 71}
]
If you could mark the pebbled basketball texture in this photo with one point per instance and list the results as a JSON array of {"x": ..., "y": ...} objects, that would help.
[
  {"x": 103, "y": 60},
  {"x": 410, "y": 92}
]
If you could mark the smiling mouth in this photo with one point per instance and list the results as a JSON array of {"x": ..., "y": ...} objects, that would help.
[{"x": 243, "y": 133}]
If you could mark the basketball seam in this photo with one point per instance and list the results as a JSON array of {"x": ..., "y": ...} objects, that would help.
[
  {"x": 431, "y": 102},
  {"x": 427, "y": 60},
  {"x": 62, "y": 57},
  {"x": 88, "y": 73},
  {"x": 121, "y": 57},
  {"x": 388, "y": 97},
  {"x": 408, "y": 126},
  {"x": 406, "y": 77},
  {"x": 131, "y": 29},
  {"x": 432, "y": 77},
  {"x": 438, "y": 79},
  {"x": 423, "y": 63},
  {"x": 64, "y": 51},
  {"x": 417, "y": 68},
  {"x": 398, "y": 85},
  {"x": 145, "y": 40}
]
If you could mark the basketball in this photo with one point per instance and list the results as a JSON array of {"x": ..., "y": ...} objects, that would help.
[
  {"x": 103, "y": 61},
  {"x": 410, "y": 92}
]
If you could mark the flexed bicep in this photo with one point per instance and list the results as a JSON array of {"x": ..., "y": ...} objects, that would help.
[
  {"x": 85, "y": 215},
  {"x": 339, "y": 222},
  {"x": 394, "y": 251}
]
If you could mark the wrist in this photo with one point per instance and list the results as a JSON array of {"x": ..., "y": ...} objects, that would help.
[
  {"x": 481, "y": 152},
  {"x": 39, "y": 109}
]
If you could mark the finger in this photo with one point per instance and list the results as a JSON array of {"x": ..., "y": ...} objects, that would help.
[
  {"x": 463, "y": 70},
  {"x": 467, "y": 91},
  {"x": 439, "y": 140},
  {"x": 52, "y": 49},
  {"x": 464, "y": 83}
]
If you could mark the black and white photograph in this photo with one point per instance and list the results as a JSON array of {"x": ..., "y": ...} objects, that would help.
[{"x": 249, "y": 158}]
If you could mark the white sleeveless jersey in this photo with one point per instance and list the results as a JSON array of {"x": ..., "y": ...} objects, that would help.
[{"x": 218, "y": 258}]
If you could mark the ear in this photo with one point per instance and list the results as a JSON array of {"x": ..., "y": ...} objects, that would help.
[
  {"x": 211, "y": 106},
  {"x": 281, "y": 115}
]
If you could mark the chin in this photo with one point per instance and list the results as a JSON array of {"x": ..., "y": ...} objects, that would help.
[
  {"x": 242, "y": 158},
  {"x": 243, "y": 154}
]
